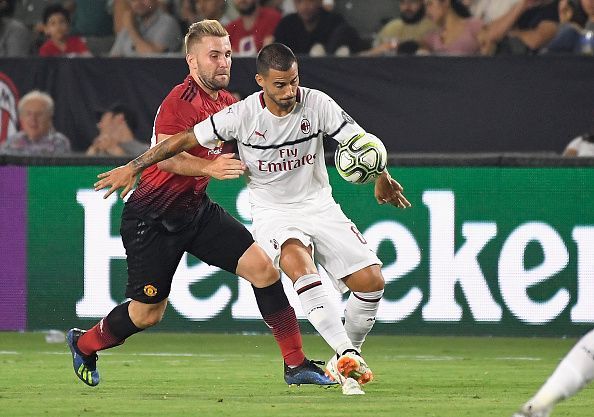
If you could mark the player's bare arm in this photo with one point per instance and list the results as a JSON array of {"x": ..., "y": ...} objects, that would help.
[
  {"x": 389, "y": 191},
  {"x": 125, "y": 176},
  {"x": 222, "y": 168}
]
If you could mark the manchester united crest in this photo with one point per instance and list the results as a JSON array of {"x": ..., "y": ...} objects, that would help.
[{"x": 150, "y": 290}]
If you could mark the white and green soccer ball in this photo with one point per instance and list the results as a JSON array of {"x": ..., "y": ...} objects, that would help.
[{"x": 361, "y": 159}]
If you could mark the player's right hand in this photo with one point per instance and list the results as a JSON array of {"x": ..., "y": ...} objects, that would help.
[
  {"x": 225, "y": 167},
  {"x": 120, "y": 177}
]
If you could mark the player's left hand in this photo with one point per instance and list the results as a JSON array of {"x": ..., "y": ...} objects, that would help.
[
  {"x": 120, "y": 177},
  {"x": 389, "y": 191}
]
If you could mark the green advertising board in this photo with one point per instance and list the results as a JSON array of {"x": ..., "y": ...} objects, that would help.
[{"x": 486, "y": 251}]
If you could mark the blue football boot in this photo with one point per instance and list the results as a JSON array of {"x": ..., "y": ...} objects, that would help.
[
  {"x": 307, "y": 373},
  {"x": 85, "y": 367}
]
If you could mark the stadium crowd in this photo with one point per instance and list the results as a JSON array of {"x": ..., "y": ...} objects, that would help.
[
  {"x": 313, "y": 27},
  {"x": 155, "y": 28}
]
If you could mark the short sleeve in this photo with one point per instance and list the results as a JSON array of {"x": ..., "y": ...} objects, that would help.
[
  {"x": 222, "y": 126},
  {"x": 174, "y": 116},
  {"x": 336, "y": 122}
]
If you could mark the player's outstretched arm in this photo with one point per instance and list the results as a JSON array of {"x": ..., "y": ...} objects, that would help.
[
  {"x": 125, "y": 176},
  {"x": 388, "y": 190},
  {"x": 224, "y": 167}
]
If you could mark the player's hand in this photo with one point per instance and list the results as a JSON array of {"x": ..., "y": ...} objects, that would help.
[
  {"x": 225, "y": 167},
  {"x": 120, "y": 177},
  {"x": 389, "y": 191}
]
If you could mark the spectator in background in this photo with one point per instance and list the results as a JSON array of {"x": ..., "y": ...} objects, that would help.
[
  {"x": 91, "y": 17},
  {"x": 253, "y": 29},
  {"x": 216, "y": 10},
  {"x": 572, "y": 19},
  {"x": 38, "y": 136},
  {"x": 287, "y": 6},
  {"x": 186, "y": 13},
  {"x": 56, "y": 21},
  {"x": 116, "y": 133},
  {"x": 15, "y": 38},
  {"x": 404, "y": 34},
  {"x": 147, "y": 30},
  {"x": 457, "y": 33},
  {"x": 120, "y": 10},
  {"x": 315, "y": 31},
  {"x": 489, "y": 10},
  {"x": 94, "y": 20},
  {"x": 525, "y": 28}
]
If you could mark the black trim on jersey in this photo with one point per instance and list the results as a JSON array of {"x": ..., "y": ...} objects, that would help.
[
  {"x": 295, "y": 142},
  {"x": 214, "y": 129},
  {"x": 337, "y": 130},
  {"x": 189, "y": 93},
  {"x": 298, "y": 96}
]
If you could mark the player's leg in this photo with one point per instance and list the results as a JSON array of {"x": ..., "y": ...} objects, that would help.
[
  {"x": 152, "y": 257},
  {"x": 226, "y": 243},
  {"x": 255, "y": 266},
  {"x": 367, "y": 289},
  {"x": 297, "y": 263},
  {"x": 574, "y": 372},
  {"x": 351, "y": 264}
]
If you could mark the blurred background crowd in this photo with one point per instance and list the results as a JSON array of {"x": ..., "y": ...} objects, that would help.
[{"x": 313, "y": 27}]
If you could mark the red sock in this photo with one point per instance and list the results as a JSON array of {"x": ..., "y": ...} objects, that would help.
[
  {"x": 97, "y": 338},
  {"x": 285, "y": 330}
]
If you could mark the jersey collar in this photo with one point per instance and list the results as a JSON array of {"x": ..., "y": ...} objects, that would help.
[{"x": 263, "y": 103}]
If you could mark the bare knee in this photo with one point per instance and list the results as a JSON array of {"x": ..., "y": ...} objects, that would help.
[
  {"x": 368, "y": 279},
  {"x": 377, "y": 283},
  {"x": 257, "y": 267},
  {"x": 146, "y": 315}
]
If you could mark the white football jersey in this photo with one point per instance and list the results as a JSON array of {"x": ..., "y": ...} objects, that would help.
[{"x": 284, "y": 155}]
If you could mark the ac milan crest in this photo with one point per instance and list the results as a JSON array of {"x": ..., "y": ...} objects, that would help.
[{"x": 305, "y": 126}]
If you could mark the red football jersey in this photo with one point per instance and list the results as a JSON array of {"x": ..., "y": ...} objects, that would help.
[
  {"x": 163, "y": 194},
  {"x": 74, "y": 46},
  {"x": 249, "y": 42}
]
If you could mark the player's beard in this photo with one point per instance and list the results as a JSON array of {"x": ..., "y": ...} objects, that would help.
[
  {"x": 286, "y": 104},
  {"x": 214, "y": 84}
]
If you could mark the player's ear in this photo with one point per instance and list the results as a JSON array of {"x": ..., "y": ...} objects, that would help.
[
  {"x": 260, "y": 80},
  {"x": 191, "y": 60}
]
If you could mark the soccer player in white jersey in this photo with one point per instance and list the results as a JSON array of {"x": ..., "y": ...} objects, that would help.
[
  {"x": 279, "y": 132},
  {"x": 574, "y": 372}
]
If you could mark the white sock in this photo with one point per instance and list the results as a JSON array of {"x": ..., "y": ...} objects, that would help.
[
  {"x": 574, "y": 372},
  {"x": 359, "y": 315},
  {"x": 321, "y": 313}
]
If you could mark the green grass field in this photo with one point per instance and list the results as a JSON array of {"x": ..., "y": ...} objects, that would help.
[{"x": 173, "y": 374}]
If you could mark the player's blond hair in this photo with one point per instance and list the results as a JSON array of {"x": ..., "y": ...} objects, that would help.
[{"x": 205, "y": 27}]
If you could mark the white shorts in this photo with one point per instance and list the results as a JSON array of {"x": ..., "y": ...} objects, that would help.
[{"x": 337, "y": 243}]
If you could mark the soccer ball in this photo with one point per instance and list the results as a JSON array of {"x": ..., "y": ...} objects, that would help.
[{"x": 361, "y": 159}]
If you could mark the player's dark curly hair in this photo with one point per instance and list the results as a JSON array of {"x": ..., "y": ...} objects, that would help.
[{"x": 274, "y": 56}]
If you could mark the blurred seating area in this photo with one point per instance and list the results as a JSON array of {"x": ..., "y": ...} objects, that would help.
[{"x": 312, "y": 27}]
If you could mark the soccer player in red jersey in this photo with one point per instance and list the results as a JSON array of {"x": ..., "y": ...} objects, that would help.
[{"x": 170, "y": 213}]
